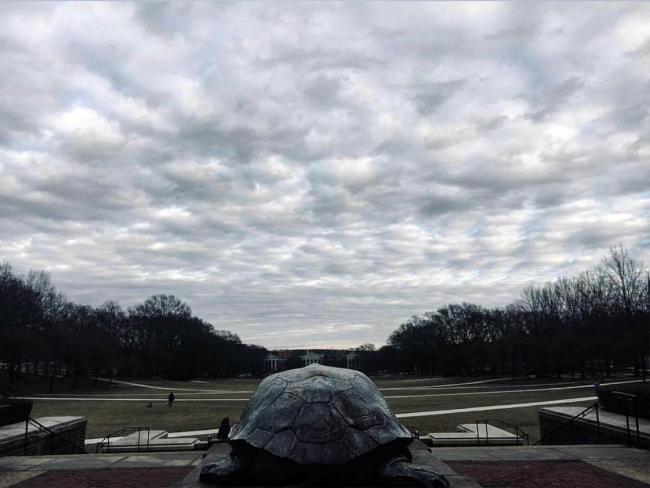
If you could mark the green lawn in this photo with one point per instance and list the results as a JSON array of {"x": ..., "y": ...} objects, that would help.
[{"x": 105, "y": 417}]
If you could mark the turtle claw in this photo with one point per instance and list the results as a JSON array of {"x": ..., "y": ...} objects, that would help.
[
  {"x": 402, "y": 473},
  {"x": 225, "y": 472}
]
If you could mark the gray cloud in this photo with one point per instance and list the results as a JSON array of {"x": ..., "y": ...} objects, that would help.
[
  {"x": 429, "y": 98},
  {"x": 314, "y": 174}
]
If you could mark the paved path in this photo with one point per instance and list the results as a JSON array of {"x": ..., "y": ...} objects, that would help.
[
  {"x": 471, "y": 393},
  {"x": 170, "y": 388},
  {"x": 448, "y": 385},
  {"x": 140, "y": 399},
  {"x": 459, "y": 386},
  {"x": 242, "y": 399},
  {"x": 494, "y": 407}
]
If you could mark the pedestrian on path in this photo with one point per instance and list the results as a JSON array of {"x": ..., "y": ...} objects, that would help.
[
  {"x": 224, "y": 429},
  {"x": 170, "y": 399}
]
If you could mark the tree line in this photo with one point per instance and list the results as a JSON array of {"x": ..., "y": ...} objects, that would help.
[
  {"x": 41, "y": 330},
  {"x": 583, "y": 325}
]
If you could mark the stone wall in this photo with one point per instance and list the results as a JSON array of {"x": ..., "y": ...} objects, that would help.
[
  {"x": 557, "y": 429},
  {"x": 69, "y": 436}
]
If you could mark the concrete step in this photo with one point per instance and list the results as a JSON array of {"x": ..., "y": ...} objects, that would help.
[
  {"x": 142, "y": 435},
  {"x": 485, "y": 431},
  {"x": 468, "y": 435},
  {"x": 160, "y": 444}
]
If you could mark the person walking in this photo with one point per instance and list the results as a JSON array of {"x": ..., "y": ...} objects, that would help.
[{"x": 170, "y": 399}]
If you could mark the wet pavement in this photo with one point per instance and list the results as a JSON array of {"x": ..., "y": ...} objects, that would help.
[{"x": 592, "y": 466}]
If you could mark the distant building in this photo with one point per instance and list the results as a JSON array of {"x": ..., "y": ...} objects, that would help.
[
  {"x": 273, "y": 363},
  {"x": 311, "y": 358},
  {"x": 352, "y": 360},
  {"x": 285, "y": 354}
]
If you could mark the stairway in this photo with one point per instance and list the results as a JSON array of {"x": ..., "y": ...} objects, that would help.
[
  {"x": 146, "y": 441},
  {"x": 473, "y": 435}
]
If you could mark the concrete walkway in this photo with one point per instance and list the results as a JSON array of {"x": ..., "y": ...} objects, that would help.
[
  {"x": 97, "y": 470},
  {"x": 591, "y": 466},
  {"x": 163, "y": 398},
  {"x": 241, "y": 399},
  {"x": 169, "y": 388},
  {"x": 494, "y": 407},
  {"x": 131, "y": 399},
  {"x": 612, "y": 466},
  {"x": 497, "y": 392},
  {"x": 447, "y": 385}
]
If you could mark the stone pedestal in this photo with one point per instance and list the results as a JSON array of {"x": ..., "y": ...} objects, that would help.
[{"x": 421, "y": 454}]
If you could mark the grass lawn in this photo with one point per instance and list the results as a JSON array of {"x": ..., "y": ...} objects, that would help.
[
  {"x": 106, "y": 417},
  {"x": 525, "y": 418},
  {"x": 208, "y": 406}
]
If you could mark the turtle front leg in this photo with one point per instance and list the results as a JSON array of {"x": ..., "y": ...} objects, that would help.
[
  {"x": 400, "y": 472},
  {"x": 226, "y": 472}
]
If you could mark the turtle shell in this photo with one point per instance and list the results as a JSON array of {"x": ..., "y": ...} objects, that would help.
[{"x": 318, "y": 415}]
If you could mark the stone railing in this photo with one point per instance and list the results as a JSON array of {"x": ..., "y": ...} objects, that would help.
[{"x": 45, "y": 435}]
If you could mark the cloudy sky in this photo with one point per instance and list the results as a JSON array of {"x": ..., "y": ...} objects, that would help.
[{"x": 313, "y": 174}]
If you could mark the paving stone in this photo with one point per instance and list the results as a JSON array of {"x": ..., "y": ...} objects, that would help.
[
  {"x": 10, "y": 478},
  {"x": 635, "y": 468},
  {"x": 541, "y": 474},
  {"x": 459, "y": 481},
  {"x": 148, "y": 460},
  {"x": 532, "y": 453},
  {"x": 79, "y": 462},
  {"x": 604, "y": 451},
  {"x": 20, "y": 463},
  {"x": 629, "y": 468},
  {"x": 462, "y": 454},
  {"x": 106, "y": 478},
  {"x": 168, "y": 455}
]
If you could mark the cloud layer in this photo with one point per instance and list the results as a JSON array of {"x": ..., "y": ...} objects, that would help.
[{"x": 313, "y": 174}]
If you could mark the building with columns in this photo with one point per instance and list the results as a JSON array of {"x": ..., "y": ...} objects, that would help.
[
  {"x": 273, "y": 363},
  {"x": 352, "y": 360},
  {"x": 311, "y": 358}
]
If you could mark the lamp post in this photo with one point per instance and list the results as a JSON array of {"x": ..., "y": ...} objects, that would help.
[{"x": 645, "y": 360}]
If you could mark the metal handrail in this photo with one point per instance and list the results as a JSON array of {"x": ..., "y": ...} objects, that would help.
[
  {"x": 100, "y": 445},
  {"x": 631, "y": 400},
  {"x": 570, "y": 423},
  {"x": 53, "y": 435},
  {"x": 519, "y": 432}
]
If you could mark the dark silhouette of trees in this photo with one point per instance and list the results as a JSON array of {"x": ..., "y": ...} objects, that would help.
[
  {"x": 41, "y": 331},
  {"x": 581, "y": 325}
]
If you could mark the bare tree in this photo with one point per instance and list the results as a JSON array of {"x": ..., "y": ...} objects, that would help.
[
  {"x": 625, "y": 277},
  {"x": 626, "y": 282}
]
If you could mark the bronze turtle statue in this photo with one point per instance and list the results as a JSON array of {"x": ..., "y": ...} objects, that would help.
[{"x": 319, "y": 426}]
